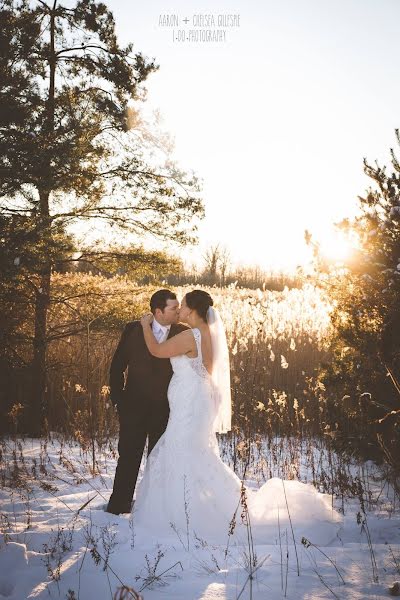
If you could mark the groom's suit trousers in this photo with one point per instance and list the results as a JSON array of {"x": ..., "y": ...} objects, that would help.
[{"x": 142, "y": 403}]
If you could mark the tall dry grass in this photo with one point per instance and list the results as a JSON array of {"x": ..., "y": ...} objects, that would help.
[{"x": 276, "y": 340}]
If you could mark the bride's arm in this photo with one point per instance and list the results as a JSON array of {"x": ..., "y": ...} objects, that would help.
[{"x": 182, "y": 343}]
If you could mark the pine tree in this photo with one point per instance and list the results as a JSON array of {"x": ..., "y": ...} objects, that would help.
[
  {"x": 71, "y": 147},
  {"x": 366, "y": 311}
]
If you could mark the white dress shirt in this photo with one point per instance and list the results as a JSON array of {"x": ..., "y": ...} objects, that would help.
[{"x": 160, "y": 331}]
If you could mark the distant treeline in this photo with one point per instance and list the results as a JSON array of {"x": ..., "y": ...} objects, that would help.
[
  {"x": 216, "y": 270},
  {"x": 244, "y": 277}
]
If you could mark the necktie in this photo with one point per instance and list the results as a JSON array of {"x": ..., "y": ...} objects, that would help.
[{"x": 163, "y": 335}]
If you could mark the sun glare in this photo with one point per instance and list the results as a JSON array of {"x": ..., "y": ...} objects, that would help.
[{"x": 336, "y": 247}]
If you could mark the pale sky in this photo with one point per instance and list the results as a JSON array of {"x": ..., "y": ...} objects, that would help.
[{"x": 277, "y": 118}]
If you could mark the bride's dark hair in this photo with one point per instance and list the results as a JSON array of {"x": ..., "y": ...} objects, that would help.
[{"x": 199, "y": 301}]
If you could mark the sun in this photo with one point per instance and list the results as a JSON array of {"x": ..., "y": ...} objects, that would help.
[{"x": 336, "y": 247}]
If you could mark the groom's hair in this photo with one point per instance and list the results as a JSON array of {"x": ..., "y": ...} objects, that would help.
[{"x": 159, "y": 299}]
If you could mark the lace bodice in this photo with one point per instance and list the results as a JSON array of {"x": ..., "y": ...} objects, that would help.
[{"x": 180, "y": 363}]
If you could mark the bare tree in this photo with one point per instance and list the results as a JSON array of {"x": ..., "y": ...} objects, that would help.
[
  {"x": 211, "y": 259},
  {"x": 224, "y": 264},
  {"x": 217, "y": 260}
]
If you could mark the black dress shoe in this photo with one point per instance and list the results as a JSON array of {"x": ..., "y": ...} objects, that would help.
[{"x": 118, "y": 510}]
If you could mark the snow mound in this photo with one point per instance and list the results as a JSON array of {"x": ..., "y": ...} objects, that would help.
[{"x": 13, "y": 561}]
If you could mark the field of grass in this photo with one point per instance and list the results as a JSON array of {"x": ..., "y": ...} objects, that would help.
[{"x": 276, "y": 341}]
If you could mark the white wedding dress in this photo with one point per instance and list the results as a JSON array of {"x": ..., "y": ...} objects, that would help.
[{"x": 187, "y": 490}]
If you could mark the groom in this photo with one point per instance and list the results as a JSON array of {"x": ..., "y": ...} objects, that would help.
[{"x": 142, "y": 404}]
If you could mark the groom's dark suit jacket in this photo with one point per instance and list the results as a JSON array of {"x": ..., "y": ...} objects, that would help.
[
  {"x": 147, "y": 377},
  {"x": 143, "y": 408}
]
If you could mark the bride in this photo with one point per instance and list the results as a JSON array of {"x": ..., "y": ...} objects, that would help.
[{"x": 186, "y": 489}]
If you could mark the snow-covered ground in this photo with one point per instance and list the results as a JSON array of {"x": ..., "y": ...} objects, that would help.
[{"x": 58, "y": 542}]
